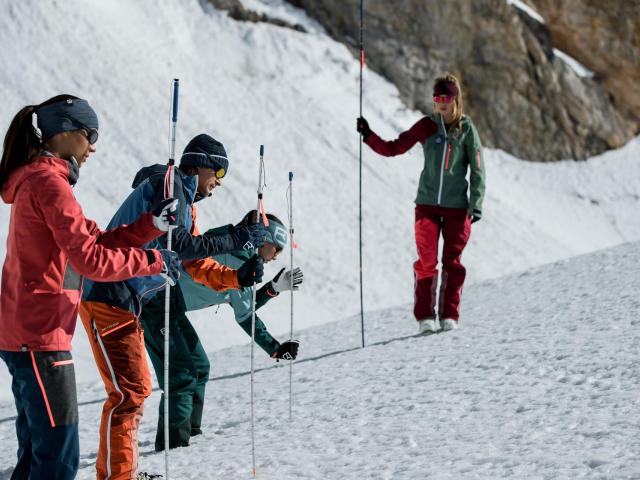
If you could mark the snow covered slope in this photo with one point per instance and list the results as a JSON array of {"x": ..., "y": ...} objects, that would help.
[
  {"x": 540, "y": 382},
  {"x": 250, "y": 84}
]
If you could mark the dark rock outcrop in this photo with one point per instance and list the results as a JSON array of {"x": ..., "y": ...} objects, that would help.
[
  {"x": 605, "y": 37},
  {"x": 523, "y": 98},
  {"x": 236, "y": 10}
]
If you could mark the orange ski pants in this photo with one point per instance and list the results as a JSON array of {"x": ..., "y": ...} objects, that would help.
[{"x": 117, "y": 341}]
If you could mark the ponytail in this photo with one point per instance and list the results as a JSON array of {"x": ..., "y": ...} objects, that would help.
[{"x": 21, "y": 141}]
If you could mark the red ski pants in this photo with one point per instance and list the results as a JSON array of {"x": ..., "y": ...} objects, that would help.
[
  {"x": 455, "y": 226},
  {"x": 117, "y": 341}
]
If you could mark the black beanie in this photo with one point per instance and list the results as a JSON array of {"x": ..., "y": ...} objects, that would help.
[{"x": 205, "y": 151}]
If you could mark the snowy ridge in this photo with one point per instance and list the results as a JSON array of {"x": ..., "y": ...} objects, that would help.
[
  {"x": 283, "y": 10},
  {"x": 541, "y": 381}
]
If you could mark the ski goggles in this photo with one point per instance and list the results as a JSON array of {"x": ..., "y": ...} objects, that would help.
[
  {"x": 443, "y": 98},
  {"x": 220, "y": 172}
]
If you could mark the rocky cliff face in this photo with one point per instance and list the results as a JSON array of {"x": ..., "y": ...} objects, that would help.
[
  {"x": 523, "y": 98},
  {"x": 605, "y": 37}
]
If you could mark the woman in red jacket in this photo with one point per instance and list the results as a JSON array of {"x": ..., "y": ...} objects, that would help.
[{"x": 50, "y": 247}]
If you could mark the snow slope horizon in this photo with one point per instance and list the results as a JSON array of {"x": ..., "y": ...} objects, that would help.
[{"x": 250, "y": 84}]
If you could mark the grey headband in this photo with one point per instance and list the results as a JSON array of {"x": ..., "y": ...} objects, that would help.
[{"x": 64, "y": 116}]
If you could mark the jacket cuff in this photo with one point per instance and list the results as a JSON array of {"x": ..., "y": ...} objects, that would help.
[
  {"x": 268, "y": 289},
  {"x": 275, "y": 351},
  {"x": 154, "y": 257},
  {"x": 234, "y": 281},
  {"x": 371, "y": 135}
]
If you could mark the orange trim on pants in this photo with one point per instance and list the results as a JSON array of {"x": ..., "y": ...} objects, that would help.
[
  {"x": 42, "y": 389},
  {"x": 117, "y": 341}
]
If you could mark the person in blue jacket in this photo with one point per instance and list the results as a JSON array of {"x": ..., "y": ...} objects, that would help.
[
  {"x": 188, "y": 362},
  {"x": 110, "y": 311}
]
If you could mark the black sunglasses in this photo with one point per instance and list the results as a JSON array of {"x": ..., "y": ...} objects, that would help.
[{"x": 92, "y": 133}]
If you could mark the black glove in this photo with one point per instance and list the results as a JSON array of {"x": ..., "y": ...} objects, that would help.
[
  {"x": 363, "y": 127},
  {"x": 251, "y": 271},
  {"x": 287, "y": 350},
  {"x": 164, "y": 214},
  {"x": 475, "y": 216},
  {"x": 170, "y": 266},
  {"x": 248, "y": 237}
]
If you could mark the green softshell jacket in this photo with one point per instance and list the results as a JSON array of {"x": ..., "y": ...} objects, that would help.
[
  {"x": 449, "y": 155},
  {"x": 447, "y": 158}
]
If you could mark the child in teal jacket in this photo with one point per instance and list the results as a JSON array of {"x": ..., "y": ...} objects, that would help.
[{"x": 189, "y": 365}]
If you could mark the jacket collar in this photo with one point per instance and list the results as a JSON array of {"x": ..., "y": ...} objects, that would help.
[
  {"x": 157, "y": 172},
  {"x": 43, "y": 163}
]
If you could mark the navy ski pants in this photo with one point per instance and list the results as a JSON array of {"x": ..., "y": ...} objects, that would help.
[{"x": 44, "y": 389}]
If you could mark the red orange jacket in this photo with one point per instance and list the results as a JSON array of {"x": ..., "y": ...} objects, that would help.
[{"x": 50, "y": 247}]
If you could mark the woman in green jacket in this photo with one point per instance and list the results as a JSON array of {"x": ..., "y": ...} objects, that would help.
[{"x": 446, "y": 203}]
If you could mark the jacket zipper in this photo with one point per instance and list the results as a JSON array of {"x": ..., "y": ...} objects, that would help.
[
  {"x": 444, "y": 152},
  {"x": 446, "y": 163},
  {"x": 140, "y": 296}
]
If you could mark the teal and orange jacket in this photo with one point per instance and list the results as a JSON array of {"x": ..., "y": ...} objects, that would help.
[{"x": 201, "y": 288}]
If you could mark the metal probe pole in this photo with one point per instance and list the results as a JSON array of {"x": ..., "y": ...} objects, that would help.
[{"x": 167, "y": 290}]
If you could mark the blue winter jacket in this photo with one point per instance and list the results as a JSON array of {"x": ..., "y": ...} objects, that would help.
[{"x": 148, "y": 186}]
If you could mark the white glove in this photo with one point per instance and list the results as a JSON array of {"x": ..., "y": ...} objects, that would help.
[
  {"x": 282, "y": 282},
  {"x": 164, "y": 214}
]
